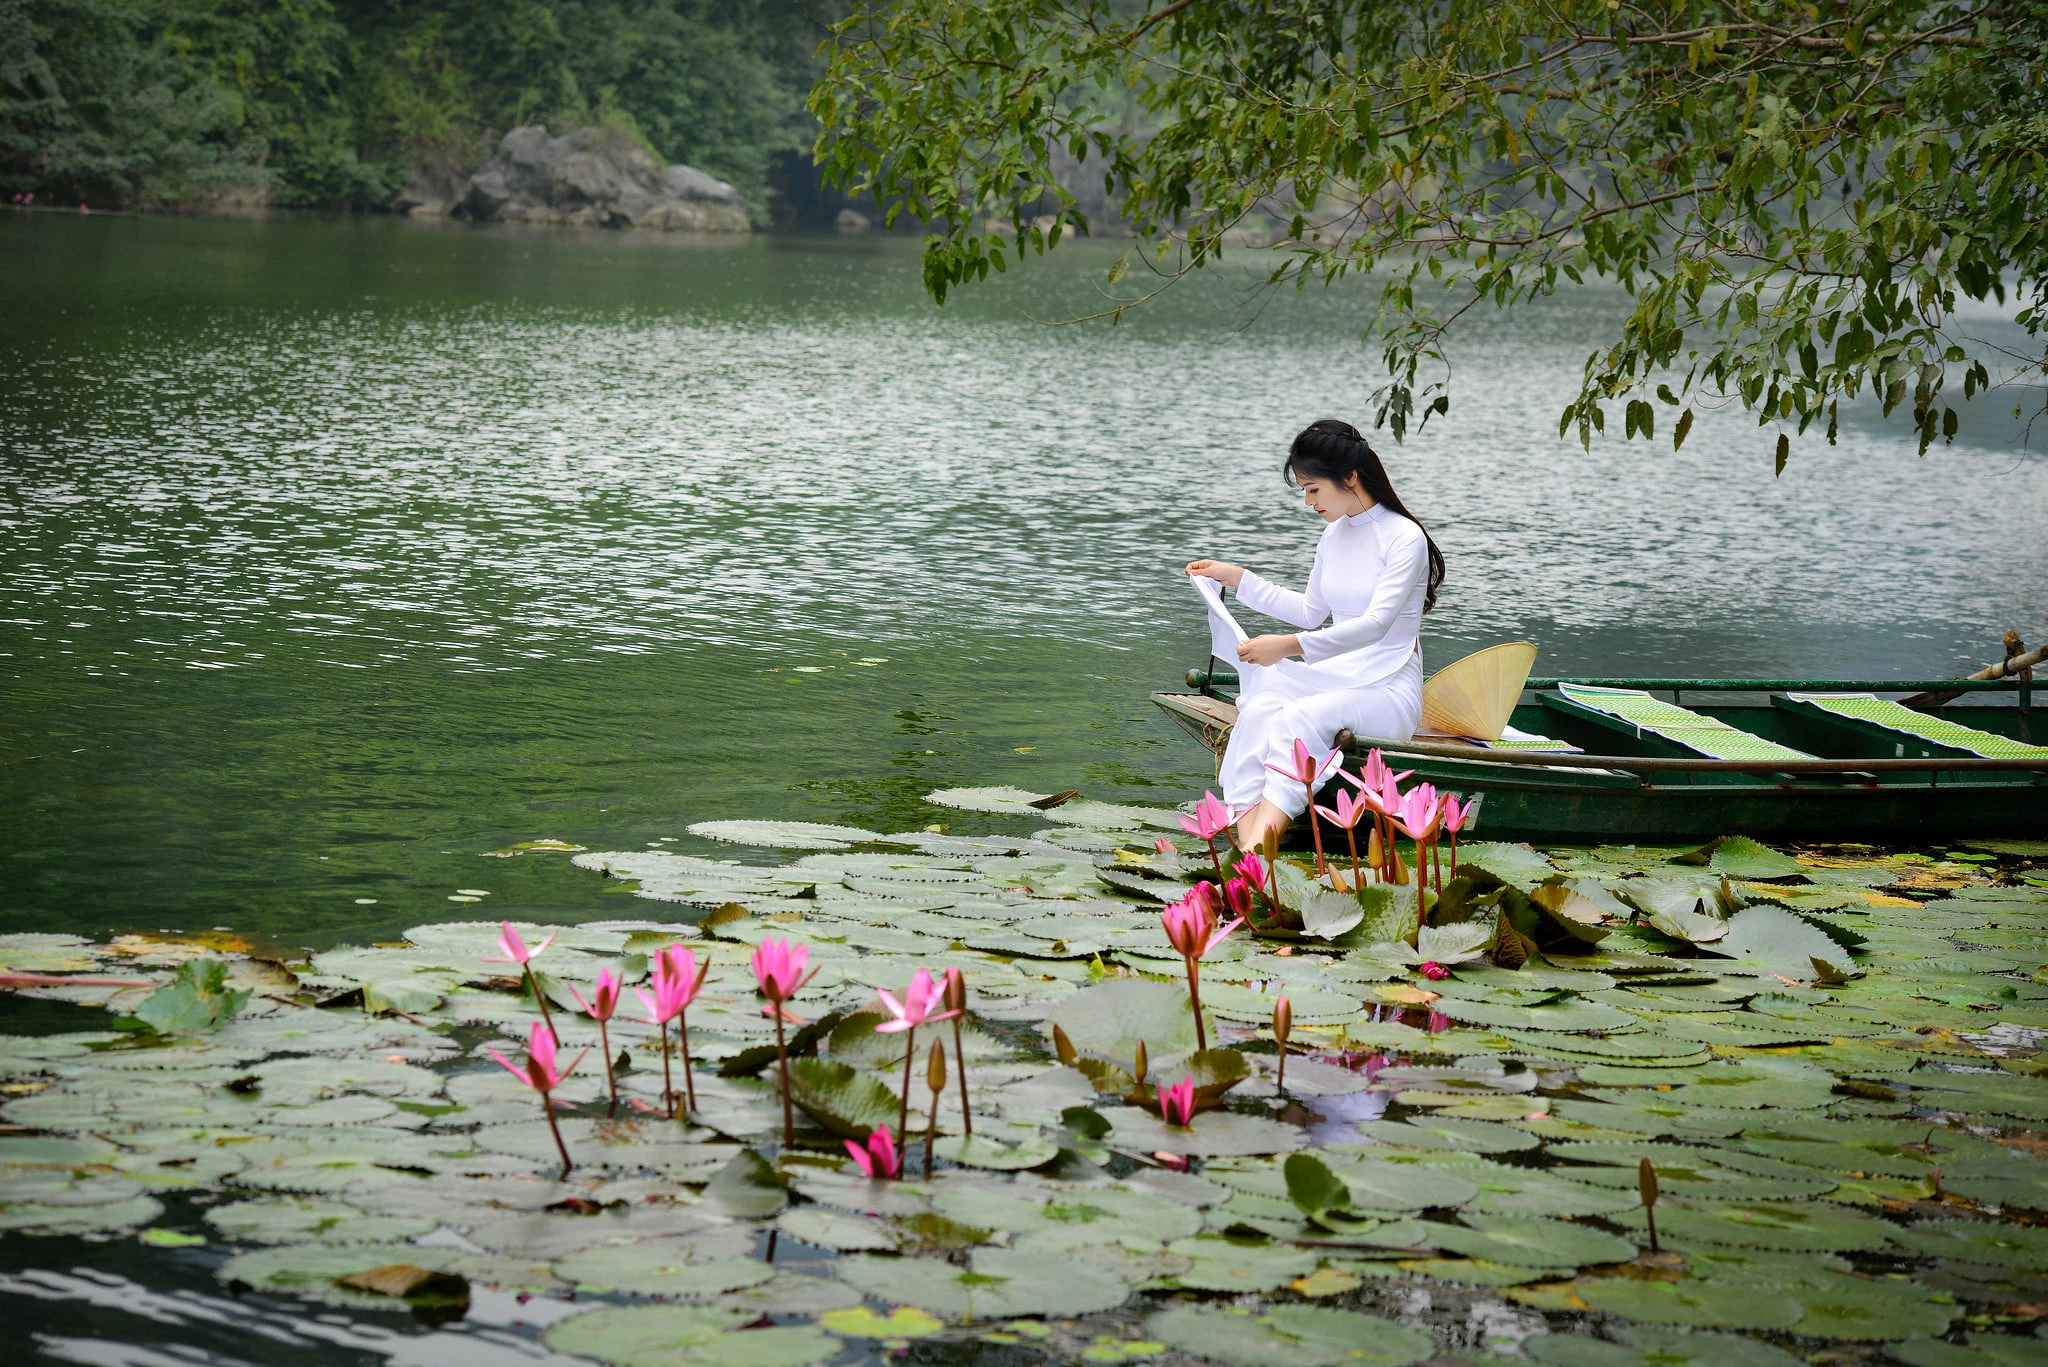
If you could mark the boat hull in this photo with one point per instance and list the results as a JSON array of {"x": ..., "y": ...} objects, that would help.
[{"x": 1547, "y": 803}]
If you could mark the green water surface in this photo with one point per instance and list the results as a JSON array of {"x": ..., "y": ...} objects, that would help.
[{"x": 336, "y": 553}]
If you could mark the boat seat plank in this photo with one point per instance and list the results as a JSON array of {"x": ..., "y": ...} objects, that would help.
[
  {"x": 1874, "y": 715},
  {"x": 1633, "y": 711}
]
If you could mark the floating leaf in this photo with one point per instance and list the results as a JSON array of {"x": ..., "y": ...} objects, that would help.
[
  {"x": 1535, "y": 1243},
  {"x": 846, "y": 1101},
  {"x": 663, "y": 1268},
  {"x": 1110, "y": 1019},
  {"x": 1290, "y": 1336},
  {"x": 999, "y": 1283},
  {"x": 686, "y": 1336},
  {"x": 1708, "y": 1304},
  {"x": 786, "y": 835},
  {"x": 1221, "y": 1264},
  {"x": 1008, "y": 801},
  {"x": 976, "y": 1151},
  {"x": 197, "y": 998},
  {"x": 1766, "y": 939},
  {"x": 859, "y": 1322}
]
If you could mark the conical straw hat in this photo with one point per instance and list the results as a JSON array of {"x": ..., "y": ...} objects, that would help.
[{"x": 1475, "y": 696}]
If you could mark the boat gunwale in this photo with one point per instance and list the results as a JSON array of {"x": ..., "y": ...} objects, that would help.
[{"x": 1640, "y": 764}]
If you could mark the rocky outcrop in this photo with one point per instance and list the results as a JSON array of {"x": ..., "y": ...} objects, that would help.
[{"x": 595, "y": 177}]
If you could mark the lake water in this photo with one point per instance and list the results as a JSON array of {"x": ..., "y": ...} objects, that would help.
[{"x": 336, "y": 553}]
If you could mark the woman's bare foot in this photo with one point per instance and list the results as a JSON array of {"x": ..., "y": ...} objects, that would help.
[{"x": 1262, "y": 821}]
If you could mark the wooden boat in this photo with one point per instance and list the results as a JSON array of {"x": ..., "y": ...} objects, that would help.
[{"x": 1815, "y": 759}]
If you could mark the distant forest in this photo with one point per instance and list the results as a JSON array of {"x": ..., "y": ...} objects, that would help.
[{"x": 332, "y": 103}]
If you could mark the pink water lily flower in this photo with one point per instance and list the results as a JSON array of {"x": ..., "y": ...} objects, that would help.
[
  {"x": 1237, "y": 898},
  {"x": 779, "y": 969},
  {"x": 1252, "y": 870},
  {"x": 1420, "y": 814},
  {"x": 1457, "y": 817},
  {"x": 1191, "y": 928},
  {"x": 678, "y": 979},
  {"x": 1177, "y": 1103},
  {"x": 924, "y": 993},
  {"x": 1212, "y": 818},
  {"x": 516, "y": 952},
  {"x": 1310, "y": 770},
  {"x": 515, "y": 948},
  {"x": 541, "y": 1074},
  {"x": 879, "y": 1159},
  {"x": 1348, "y": 812},
  {"x": 1163, "y": 846},
  {"x": 603, "y": 1004}
]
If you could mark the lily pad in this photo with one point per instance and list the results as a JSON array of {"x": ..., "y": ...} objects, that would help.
[
  {"x": 1220, "y": 1264},
  {"x": 975, "y": 1151},
  {"x": 998, "y": 1284},
  {"x": 1110, "y": 1019},
  {"x": 661, "y": 1268},
  {"x": 846, "y": 1101},
  {"x": 1531, "y": 1242},
  {"x": 1290, "y": 1336},
  {"x": 786, "y": 835},
  {"x": 828, "y": 1228},
  {"x": 2024, "y": 1247},
  {"x": 687, "y": 1336},
  {"x": 1708, "y": 1304}
]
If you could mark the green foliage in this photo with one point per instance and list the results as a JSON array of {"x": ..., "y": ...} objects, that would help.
[
  {"x": 334, "y": 102},
  {"x": 1795, "y": 197},
  {"x": 196, "y": 999}
]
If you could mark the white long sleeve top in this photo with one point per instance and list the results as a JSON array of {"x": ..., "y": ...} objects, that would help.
[{"x": 1370, "y": 577}]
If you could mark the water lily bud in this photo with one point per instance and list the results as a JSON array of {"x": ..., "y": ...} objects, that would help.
[
  {"x": 1062, "y": 1047},
  {"x": 1283, "y": 1021},
  {"x": 1646, "y": 1182},
  {"x": 935, "y": 1068},
  {"x": 1142, "y": 1064},
  {"x": 956, "y": 990}
]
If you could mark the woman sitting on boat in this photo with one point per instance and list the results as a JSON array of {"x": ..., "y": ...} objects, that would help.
[{"x": 1376, "y": 572}]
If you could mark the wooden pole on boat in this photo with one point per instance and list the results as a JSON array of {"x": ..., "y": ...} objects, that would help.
[{"x": 2018, "y": 662}]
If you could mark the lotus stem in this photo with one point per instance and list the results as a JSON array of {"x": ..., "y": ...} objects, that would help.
[
  {"x": 909, "y": 1058},
  {"x": 1215, "y": 861},
  {"x": 1315, "y": 830},
  {"x": 1195, "y": 998},
  {"x": 547, "y": 1108},
  {"x": 540, "y": 999},
  {"x": 960, "y": 1058},
  {"x": 1454, "y": 854},
  {"x": 668, "y": 1082},
  {"x": 611, "y": 1081},
  {"x": 1351, "y": 836},
  {"x": 689, "y": 1083},
  {"x": 782, "y": 1062},
  {"x": 1421, "y": 887}
]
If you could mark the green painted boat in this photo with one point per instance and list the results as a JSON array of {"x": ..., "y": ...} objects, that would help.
[{"x": 1669, "y": 759}]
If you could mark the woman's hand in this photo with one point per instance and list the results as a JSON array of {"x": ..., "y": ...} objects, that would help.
[
  {"x": 1230, "y": 576},
  {"x": 1268, "y": 650}
]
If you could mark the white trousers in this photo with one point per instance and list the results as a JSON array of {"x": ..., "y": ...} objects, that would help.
[{"x": 1277, "y": 706}]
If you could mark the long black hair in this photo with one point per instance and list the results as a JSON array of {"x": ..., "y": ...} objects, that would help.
[{"x": 1333, "y": 449}]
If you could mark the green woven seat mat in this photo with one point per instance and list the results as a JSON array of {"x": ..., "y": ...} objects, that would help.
[
  {"x": 1708, "y": 736},
  {"x": 1511, "y": 739},
  {"x": 1893, "y": 716}
]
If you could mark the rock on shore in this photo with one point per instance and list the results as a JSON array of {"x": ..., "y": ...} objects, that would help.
[{"x": 595, "y": 177}]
